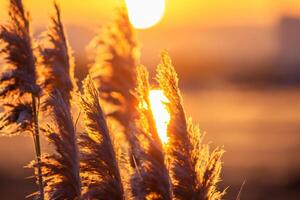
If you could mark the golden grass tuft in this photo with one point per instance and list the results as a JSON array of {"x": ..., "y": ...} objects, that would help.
[
  {"x": 178, "y": 149},
  {"x": 99, "y": 168},
  {"x": 56, "y": 63},
  {"x": 151, "y": 179},
  {"x": 194, "y": 171},
  {"x": 116, "y": 54},
  {"x": 61, "y": 169}
]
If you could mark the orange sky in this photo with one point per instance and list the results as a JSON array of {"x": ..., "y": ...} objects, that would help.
[
  {"x": 179, "y": 12},
  {"x": 231, "y": 12}
]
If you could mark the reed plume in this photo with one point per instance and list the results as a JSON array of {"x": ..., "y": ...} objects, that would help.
[
  {"x": 56, "y": 62},
  {"x": 19, "y": 91},
  {"x": 151, "y": 180},
  {"x": 194, "y": 172},
  {"x": 113, "y": 71},
  {"x": 61, "y": 169},
  {"x": 99, "y": 167},
  {"x": 207, "y": 165},
  {"x": 116, "y": 56},
  {"x": 178, "y": 149}
]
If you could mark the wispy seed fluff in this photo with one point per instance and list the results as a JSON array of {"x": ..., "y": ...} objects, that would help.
[
  {"x": 61, "y": 169},
  {"x": 17, "y": 79},
  {"x": 56, "y": 63},
  {"x": 116, "y": 54},
  {"x": 99, "y": 168},
  {"x": 151, "y": 179},
  {"x": 193, "y": 170}
]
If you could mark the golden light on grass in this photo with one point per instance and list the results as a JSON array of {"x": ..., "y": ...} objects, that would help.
[
  {"x": 160, "y": 113},
  {"x": 144, "y": 13}
]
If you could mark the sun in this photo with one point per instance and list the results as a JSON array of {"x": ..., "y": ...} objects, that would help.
[
  {"x": 160, "y": 113},
  {"x": 145, "y": 13}
]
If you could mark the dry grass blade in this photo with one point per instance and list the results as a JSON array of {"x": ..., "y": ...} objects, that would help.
[
  {"x": 240, "y": 191},
  {"x": 151, "y": 180},
  {"x": 99, "y": 168},
  {"x": 61, "y": 170},
  {"x": 56, "y": 61}
]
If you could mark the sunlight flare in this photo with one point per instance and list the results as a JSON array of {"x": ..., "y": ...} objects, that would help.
[
  {"x": 144, "y": 13},
  {"x": 160, "y": 113}
]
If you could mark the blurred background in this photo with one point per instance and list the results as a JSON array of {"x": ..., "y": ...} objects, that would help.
[{"x": 239, "y": 66}]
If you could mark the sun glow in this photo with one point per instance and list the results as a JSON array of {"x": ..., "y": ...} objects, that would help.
[
  {"x": 160, "y": 113},
  {"x": 145, "y": 13}
]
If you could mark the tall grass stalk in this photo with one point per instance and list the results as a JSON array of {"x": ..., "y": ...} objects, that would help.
[
  {"x": 56, "y": 77},
  {"x": 37, "y": 143},
  {"x": 18, "y": 80}
]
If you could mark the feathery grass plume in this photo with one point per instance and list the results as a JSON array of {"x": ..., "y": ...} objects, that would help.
[
  {"x": 151, "y": 180},
  {"x": 99, "y": 168},
  {"x": 194, "y": 171},
  {"x": 124, "y": 163},
  {"x": 144, "y": 108},
  {"x": 61, "y": 169},
  {"x": 178, "y": 149},
  {"x": 19, "y": 91},
  {"x": 18, "y": 76},
  {"x": 113, "y": 70},
  {"x": 56, "y": 60},
  {"x": 206, "y": 164}
]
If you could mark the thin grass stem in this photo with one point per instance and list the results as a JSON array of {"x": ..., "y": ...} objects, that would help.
[{"x": 37, "y": 144}]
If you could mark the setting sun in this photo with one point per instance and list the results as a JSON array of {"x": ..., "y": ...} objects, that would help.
[
  {"x": 160, "y": 113},
  {"x": 144, "y": 13}
]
